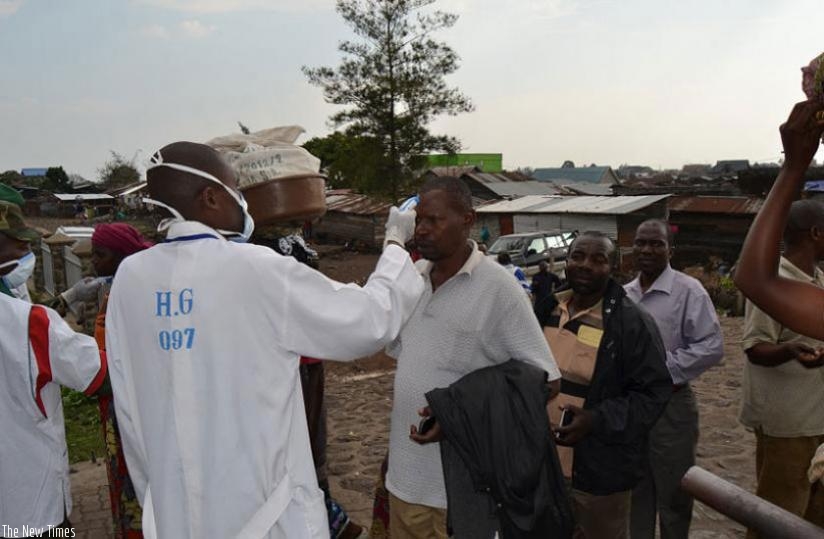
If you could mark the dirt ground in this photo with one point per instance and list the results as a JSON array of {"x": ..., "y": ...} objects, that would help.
[{"x": 359, "y": 400}]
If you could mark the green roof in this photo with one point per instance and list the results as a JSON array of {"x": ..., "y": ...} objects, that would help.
[{"x": 487, "y": 162}]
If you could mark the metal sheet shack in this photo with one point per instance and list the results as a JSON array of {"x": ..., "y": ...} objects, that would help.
[
  {"x": 486, "y": 186},
  {"x": 615, "y": 216},
  {"x": 710, "y": 226},
  {"x": 353, "y": 217}
]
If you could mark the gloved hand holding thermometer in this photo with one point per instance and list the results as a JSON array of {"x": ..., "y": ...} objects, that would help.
[{"x": 400, "y": 226}]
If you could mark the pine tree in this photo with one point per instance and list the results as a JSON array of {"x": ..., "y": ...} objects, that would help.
[{"x": 392, "y": 83}]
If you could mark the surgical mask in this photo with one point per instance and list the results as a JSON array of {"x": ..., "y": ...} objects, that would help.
[
  {"x": 248, "y": 222},
  {"x": 20, "y": 274}
]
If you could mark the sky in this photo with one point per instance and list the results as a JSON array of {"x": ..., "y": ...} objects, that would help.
[{"x": 611, "y": 82}]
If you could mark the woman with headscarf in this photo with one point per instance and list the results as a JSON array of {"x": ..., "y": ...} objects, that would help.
[{"x": 111, "y": 244}]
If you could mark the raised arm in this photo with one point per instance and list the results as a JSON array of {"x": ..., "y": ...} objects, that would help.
[
  {"x": 799, "y": 306},
  {"x": 330, "y": 320}
]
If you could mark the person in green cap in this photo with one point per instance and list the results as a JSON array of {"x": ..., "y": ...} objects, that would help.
[
  {"x": 10, "y": 194},
  {"x": 16, "y": 284},
  {"x": 15, "y": 248}
]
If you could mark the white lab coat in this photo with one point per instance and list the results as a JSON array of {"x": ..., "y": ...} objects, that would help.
[
  {"x": 22, "y": 292},
  {"x": 203, "y": 338},
  {"x": 38, "y": 351}
]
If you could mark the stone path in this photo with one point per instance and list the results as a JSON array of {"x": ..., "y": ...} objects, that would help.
[{"x": 91, "y": 515}]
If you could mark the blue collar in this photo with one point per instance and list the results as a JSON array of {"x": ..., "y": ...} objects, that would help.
[{"x": 191, "y": 238}]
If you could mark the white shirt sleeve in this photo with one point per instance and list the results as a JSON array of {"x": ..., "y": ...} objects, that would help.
[
  {"x": 326, "y": 319},
  {"x": 73, "y": 358},
  {"x": 520, "y": 334}
]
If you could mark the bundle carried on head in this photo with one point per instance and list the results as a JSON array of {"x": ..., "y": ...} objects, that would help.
[
  {"x": 812, "y": 80},
  {"x": 280, "y": 181}
]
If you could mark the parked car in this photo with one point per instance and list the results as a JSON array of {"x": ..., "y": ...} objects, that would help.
[{"x": 528, "y": 249}]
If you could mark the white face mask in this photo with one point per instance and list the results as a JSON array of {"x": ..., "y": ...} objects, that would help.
[
  {"x": 248, "y": 222},
  {"x": 21, "y": 273}
]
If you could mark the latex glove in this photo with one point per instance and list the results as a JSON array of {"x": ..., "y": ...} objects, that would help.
[
  {"x": 400, "y": 226},
  {"x": 84, "y": 290},
  {"x": 816, "y": 471}
]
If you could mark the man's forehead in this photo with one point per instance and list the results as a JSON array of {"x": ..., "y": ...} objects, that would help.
[
  {"x": 592, "y": 244},
  {"x": 437, "y": 198},
  {"x": 651, "y": 230},
  {"x": 434, "y": 195}
]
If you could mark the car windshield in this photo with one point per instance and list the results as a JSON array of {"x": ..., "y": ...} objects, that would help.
[
  {"x": 502, "y": 245},
  {"x": 555, "y": 242}
]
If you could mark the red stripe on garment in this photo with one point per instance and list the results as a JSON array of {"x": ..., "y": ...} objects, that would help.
[
  {"x": 101, "y": 375},
  {"x": 39, "y": 337}
]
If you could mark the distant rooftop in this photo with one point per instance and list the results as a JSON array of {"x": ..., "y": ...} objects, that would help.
[
  {"x": 33, "y": 172},
  {"x": 65, "y": 197},
  {"x": 519, "y": 189},
  {"x": 730, "y": 166},
  {"x": 576, "y": 175},
  {"x": 603, "y": 205},
  {"x": 585, "y": 188}
]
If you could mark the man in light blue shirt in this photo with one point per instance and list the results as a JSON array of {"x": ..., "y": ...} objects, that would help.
[{"x": 692, "y": 336}]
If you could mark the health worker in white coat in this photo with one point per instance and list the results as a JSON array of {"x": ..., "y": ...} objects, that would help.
[
  {"x": 204, "y": 336},
  {"x": 38, "y": 353}
]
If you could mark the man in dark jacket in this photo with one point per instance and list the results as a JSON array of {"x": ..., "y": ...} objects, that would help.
[{"x": 615, "y": 384}]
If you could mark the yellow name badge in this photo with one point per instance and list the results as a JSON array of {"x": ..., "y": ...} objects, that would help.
[{"x": 590, "y": 336}]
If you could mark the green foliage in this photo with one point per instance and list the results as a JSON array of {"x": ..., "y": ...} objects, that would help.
[
  {"x": 83, "y": 433},
  {"x": 726, "y": 284},
  {"x": 117, "y": 172},
  {"x": 349, "y": 161},
  {"x": 392, "y": 85},
  {"x": 11, "y": 177},
  {"x": 57, "y": 181}
]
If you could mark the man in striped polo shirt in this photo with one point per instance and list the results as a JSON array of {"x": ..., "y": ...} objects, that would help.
[
  {"x": 614, "y": 386},
  {"x": 471, "y": 315}
]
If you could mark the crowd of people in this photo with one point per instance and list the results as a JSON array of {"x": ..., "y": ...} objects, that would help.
[{"x": 550, "y": 409}]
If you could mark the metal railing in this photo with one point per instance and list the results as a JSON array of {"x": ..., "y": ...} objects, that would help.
[{"x": 757, "y": 514}]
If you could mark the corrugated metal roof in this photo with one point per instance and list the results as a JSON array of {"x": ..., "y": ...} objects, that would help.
[
  {"x": 76, "y": 232},
  {"x": 510, "y": 188},
  {"x": 81, "y": 196},
  {"x": 707, "y": 204},
  {"x": 491, "y": 177},
  {"x": 615, "y": 205},
  {"x": 133, "y": 189},
  {"x": 356, "y": 204},
  {"x": 452, "y": 171},
  {"x": 593, "y": 189},
  {"x": 578, "y": 174}
]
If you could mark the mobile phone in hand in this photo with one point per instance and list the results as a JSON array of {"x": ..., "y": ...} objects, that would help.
[
  {"x": 426, "y": 424},
  {"x": 566, "y": 419}
]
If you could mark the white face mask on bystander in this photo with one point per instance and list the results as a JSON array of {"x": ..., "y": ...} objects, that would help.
[{"x": 21, "y": 273}]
